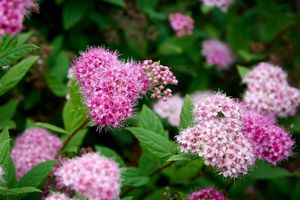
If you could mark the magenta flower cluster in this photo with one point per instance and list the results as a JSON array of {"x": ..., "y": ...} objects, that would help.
[
  {"x": 34, "y": 146},
  {"x": 270, "y": 142},
  {"x": 181, "y": 24},
  {"x": 91, "y": 175},
  {"x": 217, "y": 53},
  {"x": 217, "y": 136},
  {"x": 207, "y": 194},
  {"x": 112, "y": 87},
  {"x": 12, "y": 14},
  {"x": 222, "y": 4},
  {"x": 269, "y": 93},
  {"x": 58, "y": 196}
]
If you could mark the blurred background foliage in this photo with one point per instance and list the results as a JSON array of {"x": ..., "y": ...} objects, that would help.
[{"x": 260, "y": 30}]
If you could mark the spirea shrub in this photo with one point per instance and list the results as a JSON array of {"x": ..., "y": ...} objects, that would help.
[{"x": 181, "y": 24}]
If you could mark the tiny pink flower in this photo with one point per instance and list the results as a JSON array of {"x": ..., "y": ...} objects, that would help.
[
  {"x": 207, "y": 194},
  {"x": 269, "y": 93},
  {"x": 181, "y": 24},
  {"x": 12, "y": 14},
  {"x": 217, "y": 136},
  {"x": 34, "y": 146},
  {"x": 222, "y": 4},
  {"x": 92, "y": 176},
  {"x": 217, "y": 53},
  {"x": 270, "y": 142},
  {"x": 58, "y": 196}
]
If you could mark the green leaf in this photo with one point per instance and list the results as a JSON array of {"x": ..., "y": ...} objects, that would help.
[
  {"x": 23, "y": 37},
  {"x": 182, "y": 156},
  {"x": 296, "y": 192},
  {"x": 4, "y": 135},
  {"x": 73, "y": 117},
  {"x": 132, "y": 176},
  {"x": 291, "y": 123},
  {"x": 127, "y": 198},
  {"x": 186, "y": 115},
  {"x": 248, "y": 56},
  {"x": 120, "y": 3},
  {"x": 75, "y": 142},
  {"x": 56, "y": 86},
  {"x": 51, "y": 127},
  {"x": 11, "y": 55},
  {"x": 73, "y": 12},
  {"x": 8, "y": 110},
  {"x": 148, "y": 120},
  {"x": 156, "y": 144},
  {"x": 263, "y": 171},
  {"x": 109, "y": 153},
  {"x": 242, "y": 71},
  {"x": 15, "y": 74},
  {"x": 12, "y": 193},
  {"x": 7, "y": 123},
  {"x": 37, "y": 175}
]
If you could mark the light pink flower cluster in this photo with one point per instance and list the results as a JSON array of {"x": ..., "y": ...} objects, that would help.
[
  {"x": 271, "y": 142},
  {"x": 199, "y": 95},
  {"x": 170, "y": 109},
  {"x": 207, "y": 194},
  {"x": 217, "y": 136},
  {"x": 217, "y": 53},
  {"x": 222, "y": 4},
  {"x": 91, "y": 175},
  {"x": 112, "y": 87},
  {"x": 12, "y": 14},
  {"x": 34, "y": 146},
  {"x": 159, "y": 76},
  {"x": 269, "y": 93},
  {"x": 58, "y": 196},
  {"x": 181, "y": 24}
]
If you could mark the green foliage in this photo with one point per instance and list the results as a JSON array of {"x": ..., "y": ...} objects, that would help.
[
  {"x": 242, "y": 71},
  {"x": 186, "y": 115},
  {"x": 107, "y": 152},
  {"x": 51, "y": 127},
  {"x": 133, "y": 177}
]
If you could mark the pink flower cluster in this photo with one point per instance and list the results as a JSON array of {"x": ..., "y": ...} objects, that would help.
[
  {"x": 181, "y": 24},
  {"x": 112, "y": 87},
  {"x": 217, "y": 53},
  {"x": 217, "y": 136},
  {"x": 222, "y": 4},
  {"x": 58, "y": 196},
  {"x": 92, "y": 176},
  {"x": 269, "y": 93},
  {"x": 207, "y": 194},
  {"x": 170, "y": 109},
  {"x": 271, "y": 142},
  {"x": 34, "y": 146},
  {"x": 12, "y": 14}
]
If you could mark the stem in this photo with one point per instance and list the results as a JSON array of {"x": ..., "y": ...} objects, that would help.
[
  {"x": 150, "y": 175},
  {"x": 73, "y": 134}
]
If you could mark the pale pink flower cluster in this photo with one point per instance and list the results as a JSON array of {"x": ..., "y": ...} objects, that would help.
[
  {"x": 181, "y": 24},
  {"x": 199, "y": 95},
  {"x": 159, "y": 76},
  {"x": 34, "y": 146},
  {"x": 112, "y": 87},
  {"x": 58, "y": 196},
  {"x": 269, "y": 93},
  {"x": 270, "y": 142},
  {"x": 12, "y": 14},
  {"x": 217, "y": 53},
  {"x": 92, "y": 176},
  {"x": 170, "y": 109},
  {"x": 222, "y": 4},
  {"x": 207, "y": 194},
  {"x": 217, "y": 136}
]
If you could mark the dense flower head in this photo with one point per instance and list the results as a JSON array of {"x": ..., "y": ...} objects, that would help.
[
  {"x": 159, "y": 76},
  {"x": 199, "y": 95},
  {"x": 181, "y": 24},
  {"x": 12, "y": 14},
  {"x": 170, "y": 109},
  {"x": 222, "y": 4},
  {"x": 217, "y": 53},
  {"x": 34, "y": 146},
  {"x": 217, "y": 136},
  {"x": 270, "y": 141},
  {"x": 91, "y": 175},
  {"x": 269, "y": 93},
  {"x": 58, "y": 196},
  {"x": 207, "y": 194}
]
